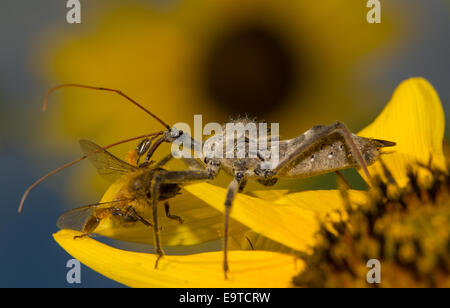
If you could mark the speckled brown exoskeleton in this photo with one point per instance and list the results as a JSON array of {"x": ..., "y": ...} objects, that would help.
[{"x": 321, "y": 149}]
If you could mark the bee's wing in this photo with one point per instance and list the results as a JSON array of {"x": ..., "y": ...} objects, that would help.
[
  {"x": 107, "y": 164},
  {"x": 75, "y": 218}
]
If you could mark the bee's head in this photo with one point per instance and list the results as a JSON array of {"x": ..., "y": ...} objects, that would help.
[{"x": 139, "y": 185}]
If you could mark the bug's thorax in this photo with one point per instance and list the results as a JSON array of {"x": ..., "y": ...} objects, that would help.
[{"x": 238, "y": 147}]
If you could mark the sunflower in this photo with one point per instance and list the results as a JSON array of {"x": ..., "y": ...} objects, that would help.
[
  {"x": 279, "y": 60},
  {"x": 272, "y": 228}
]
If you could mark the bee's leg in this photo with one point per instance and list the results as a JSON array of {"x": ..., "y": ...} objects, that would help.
[
  {"x": 89, "y": 227},
  {"x": 236, "y": 185},
  {"x": 174, "y": 217},
  {"x": 131, "y": 212}
]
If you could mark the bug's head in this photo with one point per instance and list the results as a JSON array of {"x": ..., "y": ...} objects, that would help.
[
  {"x": 382, "y": 143},
  {"x": 371, "y": 148},
  {"x": 173, "y": 134}
]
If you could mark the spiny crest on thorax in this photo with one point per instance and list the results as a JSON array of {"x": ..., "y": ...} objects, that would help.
[{"x": 245, "y": 120}]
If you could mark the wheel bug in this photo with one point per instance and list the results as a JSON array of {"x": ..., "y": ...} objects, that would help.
[{"x": 321, "y": 149}]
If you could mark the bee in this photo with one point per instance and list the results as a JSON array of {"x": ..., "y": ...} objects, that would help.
[{"x": 138, "y": 191}]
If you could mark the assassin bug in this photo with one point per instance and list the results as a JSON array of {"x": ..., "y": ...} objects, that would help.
[{"x": 321, "y": 149}]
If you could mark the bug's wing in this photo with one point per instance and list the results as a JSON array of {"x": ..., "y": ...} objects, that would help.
[
  {"x": 107, "y": 164},
  {"x": 75, "y": 218}
]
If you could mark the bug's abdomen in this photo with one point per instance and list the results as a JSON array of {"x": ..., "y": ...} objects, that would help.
[{"x": 330, "y": 155}]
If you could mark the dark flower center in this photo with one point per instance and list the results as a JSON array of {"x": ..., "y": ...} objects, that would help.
[{"x": 250, "y": 70}]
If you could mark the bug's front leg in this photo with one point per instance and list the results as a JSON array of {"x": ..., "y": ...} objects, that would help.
[
  {"x": 143, "y": 147},
  {"x": 234, "y": 187},
  {"x": 172, "y": 177},
  {"x": 155, "y": 188}
]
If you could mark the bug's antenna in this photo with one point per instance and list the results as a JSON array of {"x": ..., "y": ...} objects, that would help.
[
  {"x": 25, "y": 194},
  {"x": 74, "y": 85}
]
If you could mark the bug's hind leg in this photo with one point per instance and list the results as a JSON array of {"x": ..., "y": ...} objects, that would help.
[{"x": 170, "y": 216}]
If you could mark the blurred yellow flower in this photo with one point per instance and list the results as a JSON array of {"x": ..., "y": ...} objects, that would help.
[
  {"x": 280, "y": 60},
  {"x": 279, "y": 224}
]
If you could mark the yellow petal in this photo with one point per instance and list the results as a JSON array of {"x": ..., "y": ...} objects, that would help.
[
  {"x": 201, "y": 222},
  {"x": 247, "y": 268},
  {"x": 414, "y": 119},
  {"x": 312, "y": 204},
  {"x": 292, "y": 221},
  {"x": 318, "y": 201}
]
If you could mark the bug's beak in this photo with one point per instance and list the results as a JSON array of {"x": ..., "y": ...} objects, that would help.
[{"x": 383, "y": 143}]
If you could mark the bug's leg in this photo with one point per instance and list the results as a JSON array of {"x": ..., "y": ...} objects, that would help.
[
  {"x": 320, "y": 133},
  {"x": 164, "y": 161},
  {"x": 170, "y": 216},
  {"x": 233, "y": 188},
  {"x": 193, "y": 164},
  {"x": 242, "y": 185},
  {"x": 172, "y": 177},
  {"x": 155, "y": 187},
  {"x": 143, "y": 147},
  {"x": 153, "y": 149},
  {"x": 188, "y": 176}
]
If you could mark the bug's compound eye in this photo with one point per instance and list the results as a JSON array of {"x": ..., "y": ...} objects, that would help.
[{"x": 176, "y": 133}]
